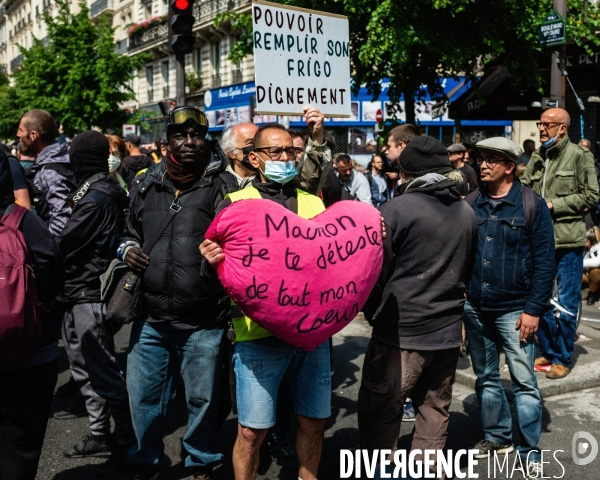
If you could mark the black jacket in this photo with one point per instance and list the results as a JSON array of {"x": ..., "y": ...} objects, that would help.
[
  {"x": 132, "y": 164},
  {"x": 428, "y": 256},
  {"x": 90, "y": 239},
  {"x": 47, "y": 261},
  {"x": 173, "y": 286}
]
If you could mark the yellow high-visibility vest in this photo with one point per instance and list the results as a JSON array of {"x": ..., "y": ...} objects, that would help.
[{"x": 309, "y": 206}]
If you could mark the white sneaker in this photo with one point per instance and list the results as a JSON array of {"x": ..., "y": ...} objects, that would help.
[{"x": 534, "y": 470}]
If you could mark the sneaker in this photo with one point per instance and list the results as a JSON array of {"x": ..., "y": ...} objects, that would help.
[
  {"x": 115, "y": 465},
  {"x": 75, "y": 409},
  {"x": 591, "y": 298},
  {"x": 409, "y": 412},
  {"x": 534, "y": 470},
  {"x": 142, "y": 473},
  {"x": 486, "y": 447},
  {"x": 558, "y": 371},
  {"x": 91, "y": 446},
  {"x": 539, "y": 361}
]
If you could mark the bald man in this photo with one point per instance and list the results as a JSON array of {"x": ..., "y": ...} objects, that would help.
[{"x": 564, "y": 175}]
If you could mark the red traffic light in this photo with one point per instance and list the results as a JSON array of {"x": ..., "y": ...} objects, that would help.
[{"x": 182, "y": 4}]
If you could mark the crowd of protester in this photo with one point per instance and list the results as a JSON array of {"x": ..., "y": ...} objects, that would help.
[{"x": 477, "y": 240}]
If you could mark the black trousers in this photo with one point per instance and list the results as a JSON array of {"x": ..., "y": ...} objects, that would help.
[{"x": 25, "y": 403}]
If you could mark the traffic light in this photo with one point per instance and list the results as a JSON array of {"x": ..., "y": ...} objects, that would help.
[{"x": 181, "y": 22}]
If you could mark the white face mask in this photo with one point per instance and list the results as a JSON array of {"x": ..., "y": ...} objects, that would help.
[{"x": 113, "y": 163}]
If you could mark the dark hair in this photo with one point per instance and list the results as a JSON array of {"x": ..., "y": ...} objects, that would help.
[
  {"x": 527, "y": 142},
  {"x": 404, "y": 133},
  {"x": 342, "y": 157},
  {"x": 295, "y": 134},
  {"x": 267, "y": 126},
  {"x": 42, "y": 122}
]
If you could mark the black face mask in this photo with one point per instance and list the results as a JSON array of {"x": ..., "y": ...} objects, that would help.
[{"x": 245, "y": 162}]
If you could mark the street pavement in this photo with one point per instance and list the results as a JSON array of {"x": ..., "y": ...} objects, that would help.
[{"x": 564, "y": 414}]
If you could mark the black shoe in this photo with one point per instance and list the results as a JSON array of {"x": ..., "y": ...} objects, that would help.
[
  {"x": 591, "y": 298},
  {"x": 69, "y": 389},
  {"x": 142, "y": 474},
  {"x": 75, "y": 409},
  {"x": 283, "y": 452},
  {"x": 91, "y": 446},
  {"x": 115, "y": 465}
]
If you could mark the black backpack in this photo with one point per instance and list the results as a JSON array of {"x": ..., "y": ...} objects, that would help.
[{"x": 39, "y": 205}]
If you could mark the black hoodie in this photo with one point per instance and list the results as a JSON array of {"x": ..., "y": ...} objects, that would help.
[
  {"x": 90, "y": 239},
  {"x": 46, "y": 258},
  {"x": 428, "y": 259}
]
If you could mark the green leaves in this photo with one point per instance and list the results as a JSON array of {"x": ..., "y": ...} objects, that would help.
[{"x": 77, "y": 76}]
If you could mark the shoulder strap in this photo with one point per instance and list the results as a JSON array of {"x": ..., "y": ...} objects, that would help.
[
  {"x": 173, "y": 210},
  {"x": 471, "y": 197},
  {"x": 530, "y": 207},
  {"x": 13, "y": 216}
]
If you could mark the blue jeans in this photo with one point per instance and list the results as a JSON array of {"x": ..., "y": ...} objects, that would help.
[
  {"x": 261, "y": 364},
  {"x": 487, "y": 332},
  {"x": 556, "y": 336},
  {"x": 157, "y": 354}
]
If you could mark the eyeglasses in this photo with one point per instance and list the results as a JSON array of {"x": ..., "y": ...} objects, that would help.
[
  {"x": 181, "y": 115},
  {"x": 546, "y": 125},
  {"x": 274, "y": 153},
  {"x": 489, "y": 161}
]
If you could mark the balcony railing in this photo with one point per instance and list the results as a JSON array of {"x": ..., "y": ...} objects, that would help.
[
  {"x": 150, "y": 35},
  {"x": 207, "y": 10},
  {"x": 237, "y": 76},
  {"x": 121, "y": 46},
  {"x": 216, "y": 81},
  {"x": 15, "y": 62},
  {"x": 99, "y": 6},
  {"x": 150, "y": 96}
]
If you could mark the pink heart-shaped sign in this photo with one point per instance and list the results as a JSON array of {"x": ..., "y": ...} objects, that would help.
[{"x": 303, "y": 280}]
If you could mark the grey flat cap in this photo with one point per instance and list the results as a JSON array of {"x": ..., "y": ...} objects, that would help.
[
  {"x": 457, "y": 148},
  {"x": 501, "y": 146}
]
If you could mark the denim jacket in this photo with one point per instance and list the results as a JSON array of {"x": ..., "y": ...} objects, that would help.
[{"x": 512, "y": 270}]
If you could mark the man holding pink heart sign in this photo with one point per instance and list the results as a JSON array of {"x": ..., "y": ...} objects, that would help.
[{"x": 300, "y": 353}]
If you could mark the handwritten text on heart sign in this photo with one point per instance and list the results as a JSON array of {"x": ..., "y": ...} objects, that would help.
[{"x": 295, "y": 276}]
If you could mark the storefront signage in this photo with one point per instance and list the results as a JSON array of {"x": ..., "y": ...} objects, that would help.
[
  {"x": 301, "y": 57},
  {"x": 552, "y": 31}
]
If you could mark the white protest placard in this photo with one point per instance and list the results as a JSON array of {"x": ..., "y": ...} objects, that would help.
[{"x": 301, "y": 57}]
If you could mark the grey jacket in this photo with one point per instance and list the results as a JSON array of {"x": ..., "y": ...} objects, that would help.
[{"x": 53, "y": 185}]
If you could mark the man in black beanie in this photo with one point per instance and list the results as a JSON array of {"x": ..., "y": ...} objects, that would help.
[
  {"x": 89, "y": 242},
  {"x": 417, "y": 306}
]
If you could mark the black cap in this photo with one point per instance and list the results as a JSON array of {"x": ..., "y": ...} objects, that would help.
[{"x": 424, "y": 155}]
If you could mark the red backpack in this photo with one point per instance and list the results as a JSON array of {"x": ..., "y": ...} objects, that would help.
[{"x": 20, "y": 320}]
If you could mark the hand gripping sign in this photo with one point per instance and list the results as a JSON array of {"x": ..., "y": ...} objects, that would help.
[{"x": 303, "y": 280}]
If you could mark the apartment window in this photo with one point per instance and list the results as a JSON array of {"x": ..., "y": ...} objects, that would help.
[
  {"x": 217, "y": 58},
  {"x": 164, "y": 68},
  {"x": 150, "y": 82},
  {"x": 198, "y": 60}
]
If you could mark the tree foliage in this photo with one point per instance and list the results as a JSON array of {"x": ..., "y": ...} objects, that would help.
[
  {"x": 76, "y": 74},
  {"x": 416, "y": 42}
]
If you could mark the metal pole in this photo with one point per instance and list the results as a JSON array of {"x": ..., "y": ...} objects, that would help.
[
  {"x": 557, "y": 82},
  {"x": 180, "y": 79}
]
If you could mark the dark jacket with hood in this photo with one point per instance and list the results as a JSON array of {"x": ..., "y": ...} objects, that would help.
[
  {"x": 91, "y": 236},
  {"x": 174, "y": 289},
  {"x": 428, "y": 256},
  {"x": 54, "y": 185},
  {"x": 132, "y": 164},
  {"x": 47, "y": 264}
]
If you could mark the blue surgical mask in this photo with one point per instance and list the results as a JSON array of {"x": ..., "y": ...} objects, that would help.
[
  {"x": 548, "y": 143},
  {"x": 280, "y": 172}
]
